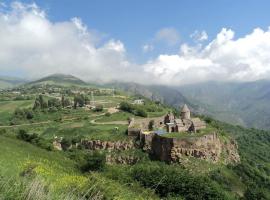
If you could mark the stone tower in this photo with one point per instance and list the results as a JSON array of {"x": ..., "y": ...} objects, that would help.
[{"x": 185, "y": 112}]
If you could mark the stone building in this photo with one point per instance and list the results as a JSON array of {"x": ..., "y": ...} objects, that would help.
[{"x": 184, "y": 123}]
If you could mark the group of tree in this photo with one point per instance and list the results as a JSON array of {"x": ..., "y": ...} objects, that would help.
[
  {"x": 23, "y": 113},
  {"x": 51, "y": 104},
  {"x": 137, "y": 110},
  {"x": 80, "y": 100}
]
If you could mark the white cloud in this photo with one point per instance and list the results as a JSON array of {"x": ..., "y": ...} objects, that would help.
[
  {"x": 168, "y": 35},
  {"x": 199, "y": 36},
  {"x": 224, "y": 58},
  {"x": 31, "y": 43},
  {"x": 147, "y": 48}
]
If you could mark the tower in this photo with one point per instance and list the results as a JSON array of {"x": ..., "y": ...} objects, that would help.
[{"x": 185, "y": 112}]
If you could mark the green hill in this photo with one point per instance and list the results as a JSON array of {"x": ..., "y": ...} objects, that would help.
[{"x": 59, "y": 79}]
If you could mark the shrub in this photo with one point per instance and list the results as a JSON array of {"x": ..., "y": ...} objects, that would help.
[
  {"x": 136, "y": 110},
  {"x": 94, "y": 162},
  {"x": 108, "y": 114},
  {"x": 98, "y": 108},
  {"x": 140, "y": 112},
  {"x": 66, "y": 143},
  {"x": 29, "y": 114},
  {"x": 169, "y": 181},
  {"x": 124, "y": 106},
  {"x": 23, "y": 135},
  {"x": 151, "y": 125}
]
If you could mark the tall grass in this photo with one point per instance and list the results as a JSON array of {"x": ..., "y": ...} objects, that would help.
[{"x": 12, "y": 188}]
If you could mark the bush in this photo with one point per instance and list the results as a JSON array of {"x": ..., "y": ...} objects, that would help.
[
  {"x": 23, "y": 135},
  {"x": 141, "y": 113},
  {"x": 65, "y": 143},
  {"x": 169, "y": 181},
  {"x": 136, "y": 110},
  {"x": 108, "y": 114},
  {"x": 124, "y": 106},
  {"x": 23, "y": 114},
  {"x": 151, "y": 125},
  {"x": 98, "y": 108},
  {"x": 34, "y": 139},
  {"x": 94, "y": 162},
  {"x": 29, "y": 114}
]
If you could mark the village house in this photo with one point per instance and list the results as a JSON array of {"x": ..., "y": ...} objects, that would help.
[{"x": 138, "y": 101}]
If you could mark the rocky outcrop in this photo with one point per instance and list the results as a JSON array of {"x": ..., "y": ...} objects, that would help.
[
  {"x": 107, "y": 145},
  {"x": 208, "y": 147},
  {"x": 122, "y": 159},
  {"x": 57, "y": 145},
  {"x": 230, "y": 149}
]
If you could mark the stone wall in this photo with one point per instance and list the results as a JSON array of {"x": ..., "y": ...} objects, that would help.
[
  {"x": 207, "y": 147},
  {"x": 107, "y": 145}
]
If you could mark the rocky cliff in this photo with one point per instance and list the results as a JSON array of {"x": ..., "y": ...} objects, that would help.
[
  {"x": 107, "y": 145},
  {"x": 208, "y": 147}
]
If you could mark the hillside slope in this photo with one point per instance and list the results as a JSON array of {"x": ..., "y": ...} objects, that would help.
[
  {"x": 9, "y": 82},
  {"x": 58, "y": 79},
  {"x": 164, "y": 94},
  {"x": 245, "y": 104}
]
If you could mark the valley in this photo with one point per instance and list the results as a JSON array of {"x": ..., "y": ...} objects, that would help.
[{"x": 62, "y": 136}]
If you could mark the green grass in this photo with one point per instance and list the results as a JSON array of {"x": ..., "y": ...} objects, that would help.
[
  {"x": 207, "y": 130},
  {"x": 119, "y": 116},
  {"x": 87, "y": 130},
  {"x": 7, "y": 109},
  {"x": 56, "y": 173},
  {"x": 14, "y": 153}
]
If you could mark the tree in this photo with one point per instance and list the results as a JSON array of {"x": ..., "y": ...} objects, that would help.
[
  {"x": 54, "y": 103},
  {"x": 63, "y": 101},
  {"x": 36, "y": 105},
  {"x": 79, "y": 101},
  {"x": 151, "y": 125},
  {"x": 125, "y": 106}
]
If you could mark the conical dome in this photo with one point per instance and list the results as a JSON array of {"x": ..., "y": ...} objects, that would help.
[
  {"x": 185, "y": 112},
  {"x": 185, "y": 108}
]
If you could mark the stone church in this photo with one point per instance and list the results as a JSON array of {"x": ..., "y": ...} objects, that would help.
[{"x": 184, "y": 123}]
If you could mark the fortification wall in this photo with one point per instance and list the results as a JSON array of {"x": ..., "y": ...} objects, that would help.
[{"x": 107, "y": 145}]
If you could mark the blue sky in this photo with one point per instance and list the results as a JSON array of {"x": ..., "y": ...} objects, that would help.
[
  {"x": 136, "y": 22},
  {"x": 149, "y": 41}
]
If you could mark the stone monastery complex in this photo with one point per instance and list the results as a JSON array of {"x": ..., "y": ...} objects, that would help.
[{"x": 169, "y": 123}]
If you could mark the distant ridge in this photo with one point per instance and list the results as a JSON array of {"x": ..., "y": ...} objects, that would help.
[
  {"x": 59, "y": 79},
  {"x": 9, "y": 82}
]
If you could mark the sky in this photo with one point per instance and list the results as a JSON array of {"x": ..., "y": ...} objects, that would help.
[{"x": 151, "y": 42}]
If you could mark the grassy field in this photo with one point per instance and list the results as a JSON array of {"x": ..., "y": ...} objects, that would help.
[
  {"x": 87, "y": 130},
  {"x": 7, "y": 108}
]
